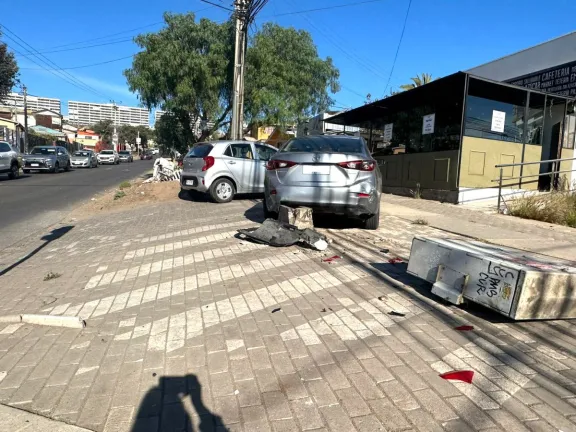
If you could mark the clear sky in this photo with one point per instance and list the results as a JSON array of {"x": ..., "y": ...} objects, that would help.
[{"x": 441, "y": 37}]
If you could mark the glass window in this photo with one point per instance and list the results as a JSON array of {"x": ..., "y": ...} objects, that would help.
[
  {"x": 325, "y": 144},
  {"x": 82, "y": 153},
  {"x": 5, "y": 147},
  {"x": 494, "y": 111},
  {"x": 265, "y": 152},
  {"x": 535, "y": 119},
  {"x": 200, "y": 151},
  {"x": 43, "y": 151},
  {"x": 239, "y": 151}
]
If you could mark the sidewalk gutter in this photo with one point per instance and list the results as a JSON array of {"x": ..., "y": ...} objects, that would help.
[{"x": 16, "y": 420}]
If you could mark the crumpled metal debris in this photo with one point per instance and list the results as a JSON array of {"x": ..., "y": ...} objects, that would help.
[
  {"x": 279, "y": 234},
  {"x": 164, "y": 170}
]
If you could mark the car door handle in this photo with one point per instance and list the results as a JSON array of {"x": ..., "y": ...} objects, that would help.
[{"x": 232, "y": 162}]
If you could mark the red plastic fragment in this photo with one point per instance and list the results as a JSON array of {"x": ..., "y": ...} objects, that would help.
[
  {"x": 329, "y": 260},
  {"x": 463, "y": 375},
  {"x": 464, "y": 328},
  {"x": 395, "y": 260}
]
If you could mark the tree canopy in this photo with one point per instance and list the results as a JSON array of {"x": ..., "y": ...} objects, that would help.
[
  {"x": 8, "y": 71},
  {"x": 187, "y": 67}
]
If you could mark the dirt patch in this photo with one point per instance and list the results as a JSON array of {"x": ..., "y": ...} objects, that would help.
[{"x": 138, "y": 194}]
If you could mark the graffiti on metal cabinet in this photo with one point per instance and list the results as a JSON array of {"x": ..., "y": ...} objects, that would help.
[{"x": 496, "y": 281}]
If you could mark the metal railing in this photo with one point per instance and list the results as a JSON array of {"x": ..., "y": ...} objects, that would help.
[{"x": 521, "y": 177}]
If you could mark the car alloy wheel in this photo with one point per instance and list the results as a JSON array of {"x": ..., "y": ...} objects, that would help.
[{"x": 222, "y": 190}]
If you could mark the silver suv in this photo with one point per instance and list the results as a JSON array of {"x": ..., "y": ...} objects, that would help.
[
  {"x": 225, "y": 168},
  {"x": 47, "y": 158},
  {"x": 10, "y": 160}
]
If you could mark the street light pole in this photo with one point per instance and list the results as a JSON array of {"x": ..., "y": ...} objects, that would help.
[
  {"x": 240, "y": 12},
  {"x": 25, "y": 90}
]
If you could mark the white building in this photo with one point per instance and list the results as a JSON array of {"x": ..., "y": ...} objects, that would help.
[
  {"x": 35, "y": 103},
  {"x": 88, "y": 113}
]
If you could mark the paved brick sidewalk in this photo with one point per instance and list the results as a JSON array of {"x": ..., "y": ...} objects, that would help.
[{"x": 192, "y": 329}]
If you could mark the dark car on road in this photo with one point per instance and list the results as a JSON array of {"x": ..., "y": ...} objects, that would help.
[
  {"x": 47, "y": 158},
  {"x": 125, "y": 156},
  {"x": 147, "y": 155},
  {"x": 10, "y": 160}
]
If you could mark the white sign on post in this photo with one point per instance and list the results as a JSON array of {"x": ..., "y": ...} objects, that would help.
[
  {"x": 388, "y": 132},
  {"x": 428, "y": 124},
  {"x": 498, "y": 121}
]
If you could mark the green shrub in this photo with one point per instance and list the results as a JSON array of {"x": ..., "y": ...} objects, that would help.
[
  {"x": 125, "y": 185},
  {"x": 119, "y": 194}
]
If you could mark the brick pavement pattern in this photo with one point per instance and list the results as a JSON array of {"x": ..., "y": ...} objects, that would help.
[{"x": 191, "y": 329}]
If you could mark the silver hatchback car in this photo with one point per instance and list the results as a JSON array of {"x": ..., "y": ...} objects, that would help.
[
  {"x": 332, "y": 174},
  {"x": 225, "y": 168}
]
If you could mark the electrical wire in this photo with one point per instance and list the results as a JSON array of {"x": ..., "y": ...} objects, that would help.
[
  {"x": 71, "y": 79},
  {"x": 325, "y": 8},
  {"x": 130, "y": 39},
  {"x": 86, "y": 66},
  {"x": 398, "y": 47}
]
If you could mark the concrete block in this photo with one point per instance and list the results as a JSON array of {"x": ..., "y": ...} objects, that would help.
[{"x": 300, "y": 217}]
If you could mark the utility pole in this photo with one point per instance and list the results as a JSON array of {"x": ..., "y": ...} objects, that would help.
[
  {"x": 25, "y": 90},
  {"x": 240, "y": 15},
  {"x": 115, "y": 136}
]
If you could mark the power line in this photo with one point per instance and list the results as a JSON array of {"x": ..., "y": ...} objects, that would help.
[
  {"x": 325, "y": 8},
  {"x": 58, "y": 72},
  {"x": 87, "y": 66},
  {"x": 87, "y": 46},
  {"x": 398, "y": 47}
]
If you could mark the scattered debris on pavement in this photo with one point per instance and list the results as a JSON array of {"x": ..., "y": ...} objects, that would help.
[
  {"x": 276, "y": 310},
  {"x": 331, "y": 259},
  {"x": 464, "y": 328},
  {"x": 279, "y": 234},
  {"x": 300, "y": 217},
  {"x": 385, "y": 250},
  {"x": 51, "y": 275},
  {"x": 164, "y": 170},
  {"x": 395, "y": 260},
  {"x": 398, "y": 314},
  {"x": 462, "y": 375}
]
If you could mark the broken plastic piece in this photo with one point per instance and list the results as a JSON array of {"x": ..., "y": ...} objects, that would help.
[
  {"x": 463, "y": 375},
  {"x": 394, "y": 313},
  {"x": 384, "y": 250},
  {"x": 329, "y": 260},
  {"x": 464, "y": 328},
  {"x": 280, "y": 234},
  {"x": 395, "y": 260},
  {"x": 276, "y": 310}
]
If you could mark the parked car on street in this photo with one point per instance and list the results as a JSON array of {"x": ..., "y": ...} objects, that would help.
[
  {"x": 108, "y": 157},
  {"x": 125, "y": 156},
  {"x": 333, "y": 174},
  {"x": 146, "y": 155},
  {"x": 84, "y": 159},
  {"x": 47, "y": 158},
  {"x": 10, "y": 160},
  {"x": 225, "y": 168}
]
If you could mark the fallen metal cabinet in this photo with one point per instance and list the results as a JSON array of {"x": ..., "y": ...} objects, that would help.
[{"x": 518, "y": 284}]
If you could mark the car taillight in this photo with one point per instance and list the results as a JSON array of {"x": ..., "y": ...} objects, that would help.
[
  {"x": 360, "y": 165},
  {"x": 208, "y": 163},
  {"x": 277, "y": 164}
]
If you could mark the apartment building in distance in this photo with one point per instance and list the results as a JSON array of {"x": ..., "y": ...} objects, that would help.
[
  {"x": 35, "y": 103},
  {"x": 88, "y": 113}
]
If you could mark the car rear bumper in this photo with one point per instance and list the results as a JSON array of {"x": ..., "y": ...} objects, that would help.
[
  {"x": 193, "y": 182},
  {"x": 332, "y": 200}
]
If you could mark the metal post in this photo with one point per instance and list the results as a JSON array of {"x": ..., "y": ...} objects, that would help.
[
  {"x": 500, "y": 189},
  {"x": 238, "y": 6},
  {"x": 25, "y": 89}
]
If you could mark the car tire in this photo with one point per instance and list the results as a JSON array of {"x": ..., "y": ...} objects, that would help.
[
  {"x": 56, "y": 168},
  {"x": 67, "y": 169},
  {"x": 222, "y": 190},
  {"x": 268, "y": 214},
  {"x": 373, "y": 222},
  {"x": 14, "y": 171}
]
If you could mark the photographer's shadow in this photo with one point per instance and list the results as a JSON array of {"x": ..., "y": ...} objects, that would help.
[{"x": 176, "y": 405}]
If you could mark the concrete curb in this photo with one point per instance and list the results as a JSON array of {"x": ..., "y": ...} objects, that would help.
[{"x": 46, "y": 320}]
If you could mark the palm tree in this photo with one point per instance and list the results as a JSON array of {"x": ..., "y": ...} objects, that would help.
[{"x": 417, "y": 81}]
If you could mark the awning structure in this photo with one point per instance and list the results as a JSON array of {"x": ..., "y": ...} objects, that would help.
[{"x": 47, "y": 131}]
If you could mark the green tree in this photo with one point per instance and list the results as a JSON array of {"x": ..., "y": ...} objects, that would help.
[
  {"x": 130, "y": 133},
  {"x": 418, "y": 81},
  {"x": 105, "y": 129},
  {"x": 8, "y": 71},
  {"x": 170, "y": 134},
  {"x": 186, "y": 69}
]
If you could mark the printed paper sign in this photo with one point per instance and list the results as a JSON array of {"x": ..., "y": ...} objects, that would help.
[
  {"x": 498, "y": 121},
  {"x": 388, "y": 132},
  {"x": 428, "y": 124}
]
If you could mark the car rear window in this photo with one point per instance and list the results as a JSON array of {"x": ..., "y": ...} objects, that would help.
[
  {"x": 324, "y": 144},
  {"x": 200, "y": 151},
  {"x": 124, "y": 153}
]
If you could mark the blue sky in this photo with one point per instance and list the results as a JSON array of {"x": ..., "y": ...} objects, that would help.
[{"x": 441, "y": 37}]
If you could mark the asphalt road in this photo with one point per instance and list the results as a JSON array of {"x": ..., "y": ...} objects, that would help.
[{"x": 36, "y": 201}]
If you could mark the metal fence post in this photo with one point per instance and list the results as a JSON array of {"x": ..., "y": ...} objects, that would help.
[{"x": 500, "y": 189}]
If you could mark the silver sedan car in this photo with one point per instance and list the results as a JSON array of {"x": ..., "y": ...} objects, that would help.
[
  {"x": 84, "y": 159},
  {"x": 225, "y": 168},
  {"x": 332, "y": 174}
]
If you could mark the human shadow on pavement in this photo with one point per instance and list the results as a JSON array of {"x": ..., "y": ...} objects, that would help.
[
  {"x": 164, "y": 408},
  {"x": 48, "y": 238}
]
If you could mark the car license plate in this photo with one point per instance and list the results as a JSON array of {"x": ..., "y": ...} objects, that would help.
[
  {"x": 316, "y": 169},
  {"x": 35, "y": 165},
  {"x": 190, "y": 183}
]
